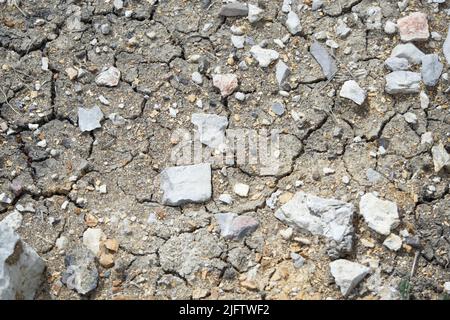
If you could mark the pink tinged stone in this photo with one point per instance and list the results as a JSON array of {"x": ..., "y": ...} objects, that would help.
[
  {"x": 226, "y": 83},
  {"x": 235, "y": 227},
  {"x": 413, "y": 27}
]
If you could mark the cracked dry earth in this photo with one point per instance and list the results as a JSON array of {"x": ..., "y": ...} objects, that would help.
[{"x": 92, "y": 91}]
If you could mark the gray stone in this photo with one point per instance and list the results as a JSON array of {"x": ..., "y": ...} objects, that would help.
[
  {"x": 21, "y": 268},
  {"x": 278, "y": 108},
  {"x": 431, "y": 69},
  {"x": 286, "y": 6},
  {"x": 403, "y": 82},
  {"x": 186, "y": 184},
  {"x": 226, "y": 198},
  {"x": 234, "y": 9},
  {"x": 324, "y": 59},
  {"x": 342, "y": 30},
  {"x": 408, "y": 51},
  {"x": 89, "y": 119},
  {"x": 238, "y": 41},
  {"x": 446, "y": 47},
  {"x": 236, "y": 227},
  {"x": 410, "y": 117},
  {"x": 348, "y": 274},
  {"x": 92, "y": 239},
  {"x": 118, "y": 4},
  {"x": 108, "y": 77},
  {"x": 81, "y": 272},
  {"x": 297, "y": 259},
  {"x": 255, "y": 13},
  {"x": 240, "y": 96},
  {"x": 397, "y": 64},
  {"x": 325, "y": 217},
  {"x": 316, "y": 5},
  {"x": 380, "y": 215},
  {"x": 197, "y": 78},
  {"x": 351, "y": 90},
  {"x": 441, "y": 158},
  {"x": 293, "y": 23},
  {"x": 211, "y": 129},
  {"x": 282, "y": 72},
  {"x": 373, "y": 176},
  {"x": 427, "y": 138},
  {"x": 264, "y": 56}
]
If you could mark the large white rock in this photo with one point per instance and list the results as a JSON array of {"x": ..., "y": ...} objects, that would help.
[
  {"x": 211, "y": 129},
  {"x": 403, "y": 82},
  {"x": 409, "y": 52},
  {"x": 21, "y": 268},
  {"x": 264, "y": 56},
  {"x": 347, "y": 274},
  {"x": 330, "y": 218},
  {"x": 186, "y": 184},
  {"x": 351, "y": 90},
  {"x": 380, "y": 215}
]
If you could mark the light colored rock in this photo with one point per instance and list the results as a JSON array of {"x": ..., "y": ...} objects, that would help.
[
  {"x": 234, "y": 9},
  {"x": 255, "y": 13},
  {"x": 186, "y": 184},
  {"x": 89, "y": 119},
  {"x": 380, "y": 215},
  {"x": 264, "y": 56},
  {"x": 235, "y": 227},
  {"x": 410, "y": 117},
  {"x": 424, "y": 100},
  {"x": 403, "y": 82},
  {"x": 351, "y": 90},
  {"x": 316, "y": 5},
  {"x": 441, "y": 158},
  {"x": 197, "y": 78},
  {"x": 226, "y": 198},
  {"x": 393, "y": 242},
  {"x": 427, "y": 138},
  {"x": 293, "y": 23},
  {"x": 241, "y": 189},
  {"x": 92, "y": 239},
  {"x": 431, "y": 69},
  {"x": 21, "y": 268},
  {"x": 226, "y": 83},
  {"x": 408, "y": 51},
  {"x": 286, "y": 6},
  {"x": 397, "y": 64},
  {"x": 211, "y": 129},
  {"x": 118, "y": 4},
  {"x": 413, "y": 27},
  {"x": 282, "y": 72},
  {"x": 324, "y": 59},
  {"x": 446, "y": 47},
  {"x": 325, "y": 217},
  {"x": 447, "y": 287},
  {"x": 342, "y": 30},
  {"x": 390, "y": 27},
  {"x": 81, "y": 272},
  {"x": 238, "y": 41},
  {"x": 109, "y": 77},
  {"x": 348, "y": 274}
]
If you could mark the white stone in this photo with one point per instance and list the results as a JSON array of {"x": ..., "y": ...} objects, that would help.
[
  {"x": 427, "y": 138},
  {"x": 380, "y": 215},
  {"x": 282, "y": 72},
  {"x": 264, "y": 56},
  {"x": 393, "y": 242},
  {"x": 409, "y": 52},
  {"x": 241, "y": 189},
  {"x": 342, "y": 30},
  {"x": 89, "y": 119},
  {"x": 293, "y": 23},
  {"x": 211, "y": 129},
  {"x": 238, "y": 41},
  {"x": 441, "y": 158},
  {"x": 410, "y": 117},
  {"x": 109, "y": 77},
  {"x": 390, "y": 27},
  {"x": 92, "y": 238},
  {"x": 447, "y": 287},
  {"x": 424, "y": 100},
  {"x": 348, "y": 274},
  {"x": 255, "y": 13},
  {"x": 351, "y": 90},
  {"x": 226, "y": 198},
  {"x": 446, "y": 47},
  {"x": 396, "y": 64},
  {"x": 197, "y": 78}
]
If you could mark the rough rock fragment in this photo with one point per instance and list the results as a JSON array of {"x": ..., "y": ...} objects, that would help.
[
  {"x": 351, "y": 90},
  {"x": 348, "y": 274},
  {"x": 234, "y": 9},
  {"x": 397, "y": 64},
  {"x": 226, "y": 83},
  {"x": 211, "y": 128},
  {"x": 330, "y": 218},
  {"x": 324, "y": 59},
  {"x": 446, "y": 47},
  {"x": 380, "y": 215},
  {"x": 293, "y": 23},
  {"x": 403, "y": 82},
  {"x": 92, "y": 238},
  {"x": 186, "y": 184},
  {"x": 235, "y": 227},
  {"x": 89, "y": 119},
  {"x": 393, "y": 242},
  {"x": 431, "y": 69},
  {"x": 21, "y": 268},
  {"x": 408, "y": 51},
  {"x": 81, "y": 273},
  {"x": 264, "y": 56},
  {"x": 109, "y": 77},
  {"x": 254, "y": 13},
  {"x": 441, "y": 158},
  {"x": 413, "y": 27}
]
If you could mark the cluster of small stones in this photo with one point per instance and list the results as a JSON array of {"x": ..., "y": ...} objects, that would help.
[{"x": 93, "y": 204}]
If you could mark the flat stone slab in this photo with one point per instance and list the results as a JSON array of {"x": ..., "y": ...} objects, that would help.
[
  {"x": 413, "y": 27},
  {"x": 348, "y": 274},
  {"x": 403, "y": 82},
  {"x": 324, "y": 59}
]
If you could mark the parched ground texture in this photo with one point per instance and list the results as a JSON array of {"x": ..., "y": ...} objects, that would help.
[{"x": 65, "y": 181}]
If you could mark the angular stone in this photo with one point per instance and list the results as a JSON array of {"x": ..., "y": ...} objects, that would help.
[
  {"x": 408, "y": 51},
  {"x": 264, "y": 56},
  {"x": 21, "y": 268},
  {"x": 226, "y": 83},
  {"x": 278, "y": 108},
  {"x": 324, "y": 59},
  {"x": 397, "y": 64},
  {"x": 238, "y": 41},
  {"x": 254, "y": 13},
  {"x": 390, "y": 27},
  {"x": 446, "y": 47},
  {"x": 234, "y": 9},
  {"x": 293, "y": 23},
  {"x": 89, "y": 119},
  {"x": 282, "y": 72},
  {"x": 241, "y": 189},
  {"x": 236, "y": 227},
  {"x": 393, "y": 242},
  {"x": 211, "y": 128},
  {"x": 380, "y": 215},
  {"x": 403, "y": 82},
  {"x": 431, "y": 69},
  {"x": 109, "y": 77},
  {"x": 441, "y": 158},
  {"x": 342, "y": 30},
  {"x": 413, "y": 27},
  {"x": 348, "y": 274},
  {"x": 81, "y": 273},
  {"x": 330, "y": 218},
  {"x": 351, "y": 90},
  {"x": 186, "y": 184},
  {"x": 92, "y": 239}
]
